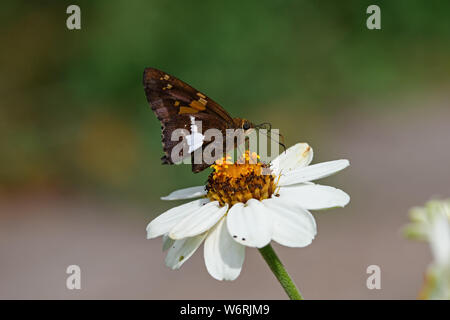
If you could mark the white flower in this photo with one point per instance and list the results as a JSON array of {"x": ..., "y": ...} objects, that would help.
[
  {"x": 432, "y": 223},
  {"x": 241, "y": 206},
  {"x": 440, "y": 269},
  {"x": 424, "y": 219}
]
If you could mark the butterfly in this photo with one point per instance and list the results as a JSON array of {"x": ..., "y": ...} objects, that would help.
[{"x": 179, "y": 106}]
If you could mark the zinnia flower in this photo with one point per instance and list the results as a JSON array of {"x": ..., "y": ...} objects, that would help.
[
  {"x": 247, "y": 204},
  {"x": 432, "y": 223}
]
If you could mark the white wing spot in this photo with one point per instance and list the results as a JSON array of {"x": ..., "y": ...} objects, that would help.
[{"x": 195, "y": 139}]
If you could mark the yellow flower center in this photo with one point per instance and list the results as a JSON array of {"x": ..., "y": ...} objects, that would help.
[{"x": 231, "y": 183}]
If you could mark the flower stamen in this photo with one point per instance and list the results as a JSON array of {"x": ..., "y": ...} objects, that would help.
[{"x": 231, "y": 183}]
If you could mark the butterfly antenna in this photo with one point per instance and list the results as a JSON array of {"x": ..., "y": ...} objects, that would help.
[
  {"x": 268, "y": 127},
  {"x": 264, "y": 125},
  {"x": 282, "y": 143}
]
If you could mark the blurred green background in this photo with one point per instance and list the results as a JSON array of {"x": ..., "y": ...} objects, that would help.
[
  {"x": 74, "y": 119},
  {"x": 74, "y": 113}
]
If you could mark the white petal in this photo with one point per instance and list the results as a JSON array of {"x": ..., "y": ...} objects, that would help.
[
  {"x": 440, "y": 240},
  {"x": 182, "y": 250},
  {"x": 187, "y": 193},
  {"x": 199, "y": 221},
  {"x": 166, "y": 221},
  {"x": 314, "y": 196},
  {"x": 167, "y": 242},
  {"x": 250, "y": 224},
  {"x": 310, "y": 173},
  {"x": 293, "y": 225},
  {"x": 223, "y": 256},
  {"x": 297, "y": 156}
]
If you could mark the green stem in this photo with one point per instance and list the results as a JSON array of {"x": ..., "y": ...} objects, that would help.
[{"x": 280, "y": 272}]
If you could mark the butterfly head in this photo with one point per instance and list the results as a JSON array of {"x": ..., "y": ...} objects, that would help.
[{"x": 244, "y": 124}]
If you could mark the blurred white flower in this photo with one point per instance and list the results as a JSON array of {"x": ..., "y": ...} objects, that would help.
[
  {"x": 432, "y": 223},
  {"x": 248, "y": 204}
]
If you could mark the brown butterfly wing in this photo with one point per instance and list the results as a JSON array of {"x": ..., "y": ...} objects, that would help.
[{"x": 173, "y": 102}]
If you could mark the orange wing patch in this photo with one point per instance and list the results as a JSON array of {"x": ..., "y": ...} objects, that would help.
[
  {"x": 197, "y": 105},
  {"x": 194, "y": 107},
  {"x": 184, "y": 110}
]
